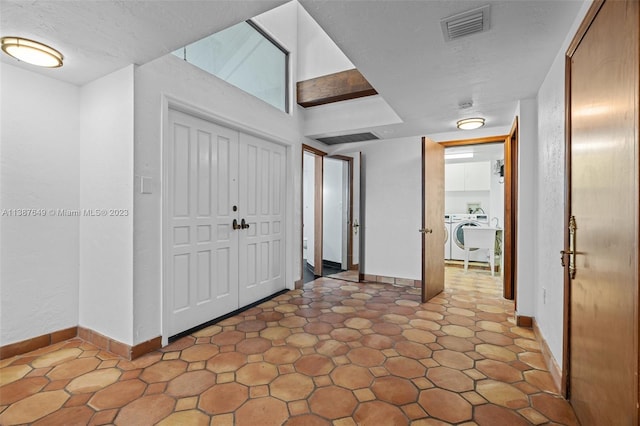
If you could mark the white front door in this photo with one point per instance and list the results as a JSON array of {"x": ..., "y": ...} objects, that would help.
[
  {"x": 215, "y": 175},
  {"x": 262, "y": 201}
]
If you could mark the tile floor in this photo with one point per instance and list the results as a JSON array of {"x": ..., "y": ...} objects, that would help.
[{"x": 332, "y": 353}]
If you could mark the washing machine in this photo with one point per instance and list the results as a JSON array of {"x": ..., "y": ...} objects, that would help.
[
  {"x": 447, "y": 237},
  {"x": 458, "y": 221}
]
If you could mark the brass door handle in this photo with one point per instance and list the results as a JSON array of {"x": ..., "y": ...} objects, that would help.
[
  {"x": 235, "y": 224},
  {"x": 425, "y": 230},
  {"x": 243, "y": 224},
  {"x": 571, "y": 253},
  {"x": 355, "y": 227}
]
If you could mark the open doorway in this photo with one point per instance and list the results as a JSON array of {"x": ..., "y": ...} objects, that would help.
[
  {"x": 481, "y": 192},
  {"x": 474, "y": 207},
  {"x": 331, "y": 233}
]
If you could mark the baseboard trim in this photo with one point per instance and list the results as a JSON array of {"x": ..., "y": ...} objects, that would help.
[
  {"x": 549, "y": 359},
  {"x": 524, "y": 321},
  {"x": 118, "y": 348},
  {"x": 298, "y": 284},
  {"x": 28, "y": 345},
  {"x": 405, "y": 282},
  {"x": 102, "y": 342}
]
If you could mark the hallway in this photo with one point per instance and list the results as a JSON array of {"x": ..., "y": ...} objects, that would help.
[{"x": 333, "y": 352}]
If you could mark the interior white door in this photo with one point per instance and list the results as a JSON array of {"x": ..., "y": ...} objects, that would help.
[
  {"x": 202, "y": 263},
  {"x": 262, "y": 205}
]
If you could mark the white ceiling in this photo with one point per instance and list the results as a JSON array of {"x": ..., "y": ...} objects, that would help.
[{"x": 396, "y": 44}]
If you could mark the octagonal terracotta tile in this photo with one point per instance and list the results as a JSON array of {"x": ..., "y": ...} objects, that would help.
[
  {"x": 147, "y": 410},
  {"x": 117, "y": 394},
  {"x": 259, "y": 373},
  {"x": 332, "y": 402},
  {"x": 405, "y": 367},
  {"x": 291, "y": 387},
  {"x": 445, "y": 405},
  {"x": 191, "y": 383},
  {"x": 448, "y": 378},
  {"x": 223, "y": 398},
  {"x": 499, "y": 370},
  {"x": 314, "y": 365},
  {"x": 163, "y": 371},
  {"x": 395, "y": 390},
  {"x": 262, "y": 411},
  {"x": 502, "y": 394},
  {"x": 199, "y": 353},
  {"x": 33, "y": 407},
  {"x": 372, "y": 413},
  {"x": 226, "y": 362},
  {"x": 351, "y": 376}
]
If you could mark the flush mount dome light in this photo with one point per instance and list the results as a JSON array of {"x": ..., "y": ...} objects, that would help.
[
  {"x": 470, "y": 123},
  {"x": 31, "y": 52}
]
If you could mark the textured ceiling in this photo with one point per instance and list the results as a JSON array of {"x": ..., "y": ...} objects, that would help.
[{"x": 397, "y": 45}]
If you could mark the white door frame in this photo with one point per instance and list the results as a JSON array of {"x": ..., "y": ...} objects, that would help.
[{"x": 170, "y": 102}]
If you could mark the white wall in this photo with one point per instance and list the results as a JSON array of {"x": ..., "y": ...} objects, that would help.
[
  {"x": 319, "y": 55},
  {"x": 332, "y": 210},
  {"x": 308, "y": 206},
  {"x": 456, "y": 201},
  {"x": 550, "y": 203},
  {"x": 526, "y": 274},
  {"x": 39, "y": 169},
  {"x": 106, "y": 183},
  {"x": 391, "y": 174},
  {"x": 169, "y": 77}
]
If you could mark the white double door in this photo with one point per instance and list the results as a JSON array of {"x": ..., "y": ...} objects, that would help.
[{"x": 217, "y": 177}]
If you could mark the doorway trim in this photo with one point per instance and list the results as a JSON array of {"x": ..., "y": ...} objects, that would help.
[
  {"x": 509, "y": 249},
  {"x": 317, "y": 213}
]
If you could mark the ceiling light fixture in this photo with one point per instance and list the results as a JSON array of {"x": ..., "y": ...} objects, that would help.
[
  {"x": 31, "y": 52},
  {"x": 470, "y": 123},
  {"x": 458, "y": 156}
]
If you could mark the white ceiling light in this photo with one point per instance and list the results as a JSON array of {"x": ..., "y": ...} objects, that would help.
[
  {"x": 458, "y": 156},
  {"x": 470, "y": 123},
  {"x": 31, "y": 52}
]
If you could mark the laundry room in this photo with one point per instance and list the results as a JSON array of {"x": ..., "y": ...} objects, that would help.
[{"x": 474, "y": 198}]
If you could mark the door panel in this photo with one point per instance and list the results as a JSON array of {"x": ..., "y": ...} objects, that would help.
[
  {"x": 262, "y": 204},
  {"x": 202, "y": 182},
  {"x": 603, "y": 380},
  {"x": 433, "y": 212}
]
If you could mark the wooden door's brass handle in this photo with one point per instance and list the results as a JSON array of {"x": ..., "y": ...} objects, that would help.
[{"x": 425, "y": 230}]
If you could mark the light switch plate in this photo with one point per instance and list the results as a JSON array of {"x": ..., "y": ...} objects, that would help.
[{"x": 145, "y": 184}]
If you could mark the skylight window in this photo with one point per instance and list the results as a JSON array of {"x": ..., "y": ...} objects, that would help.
[{"x": 246, "y": 57}]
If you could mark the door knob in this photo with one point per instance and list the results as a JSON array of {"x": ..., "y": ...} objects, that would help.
[
  {"x": 243, "y": 224},
  {"x": 235, "y": 224},
  {"x": 425, "y": 230}
]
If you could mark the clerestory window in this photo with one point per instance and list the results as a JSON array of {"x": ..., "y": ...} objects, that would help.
[{"x": 243, "y": 55}]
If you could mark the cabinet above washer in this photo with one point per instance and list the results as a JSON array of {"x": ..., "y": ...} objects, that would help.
[{"x": 467, "y": 176}]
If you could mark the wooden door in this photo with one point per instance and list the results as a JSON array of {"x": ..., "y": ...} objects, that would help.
[
  {"x": 433, "y": 232},
  {"x": 201, "y": 266},
  {"x": 261, "y": 206},
  {"x": 603, "y": 348}
]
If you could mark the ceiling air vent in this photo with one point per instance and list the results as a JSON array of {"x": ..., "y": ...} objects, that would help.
[
  {"x": 356, "y": 137},
  {"x": 466, "y": 23}
]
